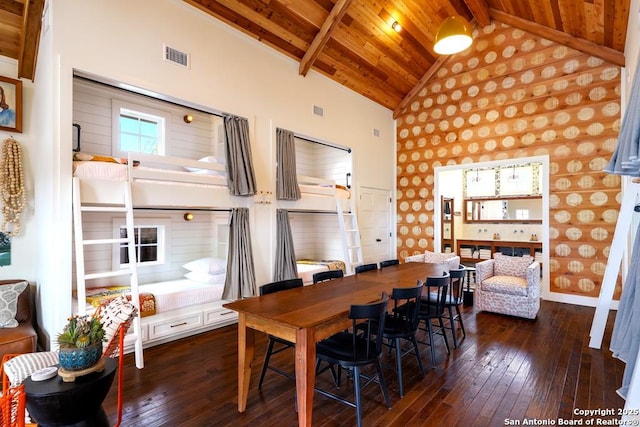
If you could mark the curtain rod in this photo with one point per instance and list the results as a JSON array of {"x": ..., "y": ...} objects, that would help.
[
  {"x": 326, "y": 144},
  {"x": 186, "y": 208}
]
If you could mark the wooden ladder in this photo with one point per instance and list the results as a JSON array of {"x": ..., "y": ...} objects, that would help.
[
  {"x": 130, "y": 270},
  {"x": 348, "y": 222}
]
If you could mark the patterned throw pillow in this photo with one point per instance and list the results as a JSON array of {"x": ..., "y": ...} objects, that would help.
[
  {"x": 511, "y": 265},
  {"x": 23, "y": 365},
  {"x": 9, "y": 303},
  {"x": 119, "y": 310}
]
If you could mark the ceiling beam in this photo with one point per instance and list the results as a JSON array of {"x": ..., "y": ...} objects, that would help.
[
  {"x": 480, "y": 11},
  {"x": 418, "y": 87},
  {"x": 327, "y": 29},
  {"x": 582, "y": 45},
  {"x": 30, "y": 38}
]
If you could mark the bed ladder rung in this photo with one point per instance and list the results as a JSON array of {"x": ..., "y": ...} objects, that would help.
[
  {"x": 107, "y": 274},
  {"x": 104, "y": 241},
  {"x": 103, "y": 208}
]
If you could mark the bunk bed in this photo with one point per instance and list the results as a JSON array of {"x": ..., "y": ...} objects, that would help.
[{"x": 170, "y": 309}]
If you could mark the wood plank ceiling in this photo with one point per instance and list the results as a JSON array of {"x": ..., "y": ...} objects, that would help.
[{"x": 353, "y": 42}]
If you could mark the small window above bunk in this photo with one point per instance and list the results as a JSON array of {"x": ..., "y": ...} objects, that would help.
[
  {"x": 151, "y": 242},
  {"x": 138, "y": 128}
]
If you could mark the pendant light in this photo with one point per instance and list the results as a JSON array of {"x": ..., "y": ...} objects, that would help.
[{"x": 454, "y": 35}]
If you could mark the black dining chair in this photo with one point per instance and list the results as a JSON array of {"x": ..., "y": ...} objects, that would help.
[
  {"x": 355, "y": 350},
  {"x": 453, "y": 302},
  {"x": 327, "y": 275},
  {"x": 366, "y": 267},
  {"x": 388, "y": 263},
  {"x": 432, "y": 308},
  {"x": 401, "y": 323},
  {"x": 282, "y": 344}
]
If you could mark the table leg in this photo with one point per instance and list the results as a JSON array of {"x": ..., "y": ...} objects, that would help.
[
  {"x": 246, "y": 347},
  {"x": 305, "y": 374}
]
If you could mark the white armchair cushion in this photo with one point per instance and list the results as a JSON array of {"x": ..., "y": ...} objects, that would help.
[
  {"x": 415, "y": 258},
  {"x": 509, "y": 285}
]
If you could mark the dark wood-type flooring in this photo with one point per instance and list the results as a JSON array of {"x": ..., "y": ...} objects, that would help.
[{"x": 505, "y": 371}]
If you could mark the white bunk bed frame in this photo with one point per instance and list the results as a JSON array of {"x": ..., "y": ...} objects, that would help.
[{"x": 153, "y": 188}]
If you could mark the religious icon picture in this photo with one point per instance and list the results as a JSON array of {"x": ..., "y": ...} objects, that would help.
[{"x": 10, "y": 104}]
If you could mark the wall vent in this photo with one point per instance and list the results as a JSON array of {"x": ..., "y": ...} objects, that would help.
[
  {"x": 318, "y": 111},
  {"x": 376, "y": 132},
  {"x": 176, "y": 56}
]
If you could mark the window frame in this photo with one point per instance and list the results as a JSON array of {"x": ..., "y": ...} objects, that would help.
[
  {"x": 163, "y": 230},
  {"x": 118, "y": 107}
]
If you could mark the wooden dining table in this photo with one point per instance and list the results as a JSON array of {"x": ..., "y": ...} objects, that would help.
[{"x": 310, "y": 314}]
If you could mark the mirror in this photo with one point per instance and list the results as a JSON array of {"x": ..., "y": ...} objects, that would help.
[{"x": 507, "y": 209}]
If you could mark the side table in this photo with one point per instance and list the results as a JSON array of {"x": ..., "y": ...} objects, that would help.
[
  {"x": 467, "y": 298},
  {"x": 54, "y": 402}
]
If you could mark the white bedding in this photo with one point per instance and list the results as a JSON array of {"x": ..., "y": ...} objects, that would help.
[
  {"x": 119, "y": 172},
  {"x": 181, "y": 293},
  {"x": 306, "y": 271}
]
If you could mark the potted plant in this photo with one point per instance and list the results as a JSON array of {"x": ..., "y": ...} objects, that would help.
[{"x": 81, "y": 342}]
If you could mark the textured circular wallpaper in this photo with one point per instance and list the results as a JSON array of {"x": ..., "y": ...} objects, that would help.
[{"x": 514, "y": 95}]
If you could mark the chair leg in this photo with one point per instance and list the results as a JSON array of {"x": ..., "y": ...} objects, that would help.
[
  {"x": 452, "y": 324},
  {"x": 399, "y": 365},
  {"x": 356, "y": 387},
  {"x": 444, "y": 335},
  {"x": 265, "y": 365},
  {"x": 383, "y": 384},
  {"x": 414, "y": 341},
  {"x": 431, "y": 347},
  {"x": 459, "y": 318}
]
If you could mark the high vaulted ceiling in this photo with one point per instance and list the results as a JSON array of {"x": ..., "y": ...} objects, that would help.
[{"x": 352, "y": 42}]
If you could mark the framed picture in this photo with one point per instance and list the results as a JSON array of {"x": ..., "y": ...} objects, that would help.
[{"x": 10, "y": 104}]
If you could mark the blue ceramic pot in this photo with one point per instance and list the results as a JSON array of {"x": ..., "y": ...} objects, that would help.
[{"x": 77, "y": 359}]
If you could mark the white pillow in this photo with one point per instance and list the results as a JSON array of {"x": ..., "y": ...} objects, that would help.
[
  {"x": 207, "y": 265},
  {"x": 207, "y": 159},
  {"x": 209, "y": 279},
  {"x": 23, "y": 365}
]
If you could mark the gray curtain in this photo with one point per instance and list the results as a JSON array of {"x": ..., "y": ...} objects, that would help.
[
  {"x": 242, "y": 180},
  {"x": 240, "y": 281},
  {"x": 625, "y": 159},
  {"x": 286, "y": 177},
  {"x": 285, "y": 267},
  {"x": 625, "y": 339}
]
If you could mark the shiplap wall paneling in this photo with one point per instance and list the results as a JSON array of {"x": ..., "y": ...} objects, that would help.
[{"x": 316, "y": 235}]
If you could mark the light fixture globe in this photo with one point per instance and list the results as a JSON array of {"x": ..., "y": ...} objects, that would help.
[{"x": 454, "y": 35}]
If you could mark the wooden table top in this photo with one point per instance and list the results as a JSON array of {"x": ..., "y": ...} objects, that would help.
[{"x": 313, "y": 305}]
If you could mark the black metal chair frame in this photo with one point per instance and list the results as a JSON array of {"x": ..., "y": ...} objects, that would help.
[
  {"x": 453, "y": 302},
  {"x": 402, "y": 324},
  {"x": 270, "y": 288},
  {"x": 432, "y": 307},
  {"x": 388, "y": 263},
  {"x": 353, "y": 350},
  {"x": 327, "y": 275},
  {"x": 366, "y": 267}
]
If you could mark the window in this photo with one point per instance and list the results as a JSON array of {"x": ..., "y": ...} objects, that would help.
[
  {"x": 138, "y": 129},
  {"x": 150, "y": 243}
]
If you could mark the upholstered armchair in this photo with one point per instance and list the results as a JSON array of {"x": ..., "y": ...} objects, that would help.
[
  {"x": 508, "y": 285},
  {"x": 451, "y": 260}
]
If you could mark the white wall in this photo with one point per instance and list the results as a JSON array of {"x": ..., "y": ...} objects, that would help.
[{"x": 230, "y": 72}]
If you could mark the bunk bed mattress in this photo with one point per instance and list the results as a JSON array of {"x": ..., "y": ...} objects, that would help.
[
  {"x": 307, "y": 268},
  {"x": 180, "y": 293},
  {"x": 109, "y": 171},
  {"x": 337, "y": 191}
]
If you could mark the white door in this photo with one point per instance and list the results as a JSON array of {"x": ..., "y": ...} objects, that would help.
[{"x": 374, "y": 219}]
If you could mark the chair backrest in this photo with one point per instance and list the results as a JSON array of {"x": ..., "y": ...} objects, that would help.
[
  {"x": 455, "y": 285},
  {"x": 409, "y": 298},
  {"x": 368, "y": 318},
  {"x": 366, "y": 267},
  {"x": 389, "y": 262},
  {"x": 436, "y": 288},
  {"x": 505, "y": 265},
  {"x": 281, "y": 285},
  {"x": 116, "y": 317},
  {"x": 327, "y": 275}
]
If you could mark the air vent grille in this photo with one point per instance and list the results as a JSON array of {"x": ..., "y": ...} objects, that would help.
[
  {"x": 176, "y": 56},
  {"x": 318, "y": 111}
]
